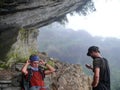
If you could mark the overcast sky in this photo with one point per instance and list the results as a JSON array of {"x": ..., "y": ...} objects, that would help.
[{"x": 105, "y": 21}]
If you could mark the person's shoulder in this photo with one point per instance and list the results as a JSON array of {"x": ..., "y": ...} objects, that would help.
[
  {"x": 97, "y": 60},
  {"x": 104, "y": 59}
]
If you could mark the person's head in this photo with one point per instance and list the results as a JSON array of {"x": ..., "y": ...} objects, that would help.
[
  {"x": 93, "y": 51},
  {"x": 34, "y": 60}
]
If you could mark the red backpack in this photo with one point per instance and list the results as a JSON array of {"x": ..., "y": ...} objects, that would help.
[{"x": 25, "y": 82}]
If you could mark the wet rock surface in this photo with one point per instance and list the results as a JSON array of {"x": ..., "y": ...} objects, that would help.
[{"x": 35, "y": 13}]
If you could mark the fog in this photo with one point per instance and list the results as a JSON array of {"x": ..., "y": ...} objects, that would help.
[{"x": 103, "y": 22}]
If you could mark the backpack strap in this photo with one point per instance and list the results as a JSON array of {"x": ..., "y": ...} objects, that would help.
[
  {"x": 25, "y": 83},
  {"x": 30, "y": 73},
  {"x": 41, "y": 70}
]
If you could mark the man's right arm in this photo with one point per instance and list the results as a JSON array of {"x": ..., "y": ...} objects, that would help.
[
  {"x": 96, "y": 77},
  {"x": 24, "y": 68}
]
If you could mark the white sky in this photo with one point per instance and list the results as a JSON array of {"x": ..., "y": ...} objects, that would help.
[{"x": 104, "y": 22}]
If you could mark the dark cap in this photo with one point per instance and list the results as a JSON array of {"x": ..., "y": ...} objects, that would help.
[{"x": 91, "y": 49}]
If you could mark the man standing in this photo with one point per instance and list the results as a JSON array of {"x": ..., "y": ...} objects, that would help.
[{"x": 101, "y": 77}]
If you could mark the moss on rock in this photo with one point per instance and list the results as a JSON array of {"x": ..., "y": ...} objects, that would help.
[{"x": 18, "y": 46}]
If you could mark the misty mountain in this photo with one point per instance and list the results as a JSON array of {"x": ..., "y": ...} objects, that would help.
[{"x": 71, "y": 46}]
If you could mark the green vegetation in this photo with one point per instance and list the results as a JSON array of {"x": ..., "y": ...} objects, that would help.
[
  {"x": 50, "y": 63},
  {"x": 23, "y": 34},
  {"x": 6, "y": 41},
  {"x": 14, "y": 47},
  {"x": 3, "y": 66},
  {"x": 84, "y": 9}
]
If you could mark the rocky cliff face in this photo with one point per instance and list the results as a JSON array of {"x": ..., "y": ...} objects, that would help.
[
  {"x": 17, "y": 45},
  {"x": 70, "y": 77},
  {"x": 28, "y": 15},
  {"x": 35, "y": 13},
  {"x": 66, "y": 77}
]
